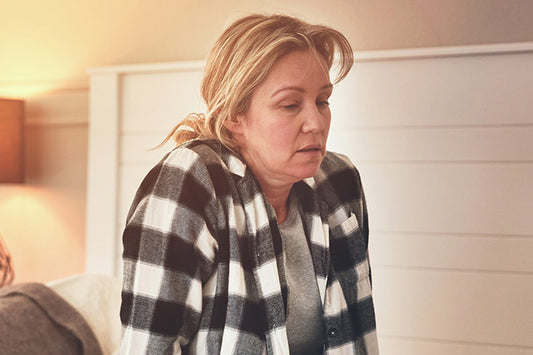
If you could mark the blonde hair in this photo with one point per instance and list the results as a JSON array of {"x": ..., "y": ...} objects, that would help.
[
  {"x": 7, "y": 274},
  {"x": 242, "y": 57}
]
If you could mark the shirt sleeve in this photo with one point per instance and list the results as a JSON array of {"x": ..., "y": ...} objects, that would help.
[{"x": 169, "y": 252}]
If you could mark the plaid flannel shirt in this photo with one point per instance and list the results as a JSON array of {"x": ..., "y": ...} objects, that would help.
[{"x": 204, "y": 264}]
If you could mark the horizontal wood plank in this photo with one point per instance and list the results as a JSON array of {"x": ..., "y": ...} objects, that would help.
[
  {"x": 435, "y": 144},
  {"x": 475, "y": 90},
  {"x": 450, "y": 198},
  {"x": 405, "y": 346},
  {"x": 454, "y": 306},
  {"x": 505, "y": 254}
]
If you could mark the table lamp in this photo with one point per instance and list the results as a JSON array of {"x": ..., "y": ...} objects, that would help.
[{"x": 11, "y": 141}]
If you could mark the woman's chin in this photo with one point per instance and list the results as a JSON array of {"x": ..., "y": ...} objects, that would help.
[{"x": 307, "y": 171}]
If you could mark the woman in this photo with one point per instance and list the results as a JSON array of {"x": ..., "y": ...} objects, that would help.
[{"x": 249, "y": 237}]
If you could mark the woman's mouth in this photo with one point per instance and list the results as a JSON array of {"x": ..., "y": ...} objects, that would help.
[{"x": 310, "y": 148}]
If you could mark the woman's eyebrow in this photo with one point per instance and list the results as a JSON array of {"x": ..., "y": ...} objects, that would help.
[{"x": 299, "y": 89}]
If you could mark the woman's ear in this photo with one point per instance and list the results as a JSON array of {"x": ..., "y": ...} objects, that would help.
[{"x": 234, "y": 124}]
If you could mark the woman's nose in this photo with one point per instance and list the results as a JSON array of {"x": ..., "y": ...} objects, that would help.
[{"x": 316, "y": 119}]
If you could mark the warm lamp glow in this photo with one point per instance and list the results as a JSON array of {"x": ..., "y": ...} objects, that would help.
[{"x": 11, "y": 141}]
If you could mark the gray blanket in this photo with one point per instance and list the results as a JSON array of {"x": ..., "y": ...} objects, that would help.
[{"x": 36, "y": 320}]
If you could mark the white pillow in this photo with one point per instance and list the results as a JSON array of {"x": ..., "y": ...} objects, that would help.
[{"x": 97, "y": 298}]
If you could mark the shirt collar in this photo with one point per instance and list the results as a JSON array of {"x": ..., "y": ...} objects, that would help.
[
  {"x": 235, "y": 164},
  {"x": 311, "y": 182}
]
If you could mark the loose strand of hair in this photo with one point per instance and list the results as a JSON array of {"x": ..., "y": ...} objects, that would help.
[{"x": 190, "y": 128}]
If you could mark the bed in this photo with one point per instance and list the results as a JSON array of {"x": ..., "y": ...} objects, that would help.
[{"x": 75, "y": 315}]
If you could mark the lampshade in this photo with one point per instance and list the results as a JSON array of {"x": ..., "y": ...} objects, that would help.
[{"x": 11, "y": 141}]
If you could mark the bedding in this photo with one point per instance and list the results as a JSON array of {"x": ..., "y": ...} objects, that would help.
[{"x": 36, "y": 320}]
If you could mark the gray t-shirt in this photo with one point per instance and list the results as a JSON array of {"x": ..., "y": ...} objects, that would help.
[{"x": 304, "y": 318}]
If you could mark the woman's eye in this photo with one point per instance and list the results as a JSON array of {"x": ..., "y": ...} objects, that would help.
[
  {"x": 290, "y": 107},
  {"x": 323, "y": 103}
]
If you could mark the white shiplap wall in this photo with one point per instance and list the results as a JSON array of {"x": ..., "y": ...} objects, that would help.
[{"x": 443, "y": 138}]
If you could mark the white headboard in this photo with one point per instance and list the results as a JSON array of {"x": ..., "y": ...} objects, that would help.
[{"x": 443, "y": 139}]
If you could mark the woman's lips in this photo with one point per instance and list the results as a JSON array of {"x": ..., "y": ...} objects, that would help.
[{"x": 310, "y": 148}]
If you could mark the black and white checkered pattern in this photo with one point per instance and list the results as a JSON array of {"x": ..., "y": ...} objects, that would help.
[{"x": 203, "y": 258}]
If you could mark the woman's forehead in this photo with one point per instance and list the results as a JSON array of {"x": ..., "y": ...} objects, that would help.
[{"x": 298, "y": 70}]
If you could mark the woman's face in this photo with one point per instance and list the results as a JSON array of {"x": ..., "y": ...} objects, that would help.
[{"x": 283, "y": 134}]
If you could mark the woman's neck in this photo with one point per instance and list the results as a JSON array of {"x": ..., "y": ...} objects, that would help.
[{"x": 278, "y": 198}]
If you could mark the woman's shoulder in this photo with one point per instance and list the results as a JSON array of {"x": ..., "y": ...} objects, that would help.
[
  {"x": 335, "y": 163},
  {"x": 195, "y": 151},
  {"x": 339, "y": 185},
  {"x": 210, "y": 154}
]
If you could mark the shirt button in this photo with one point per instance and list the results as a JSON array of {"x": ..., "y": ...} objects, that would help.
[{"x": 332, "y": 332}]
